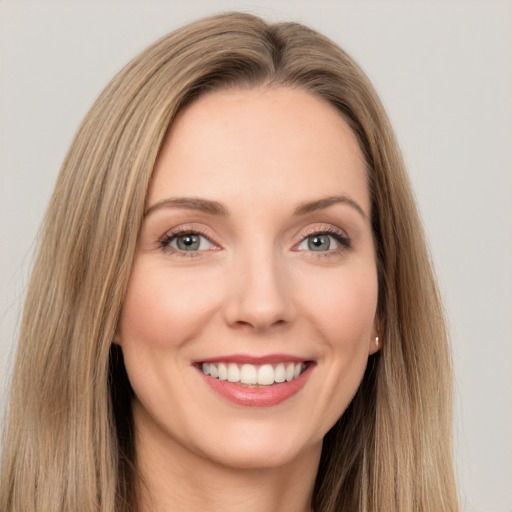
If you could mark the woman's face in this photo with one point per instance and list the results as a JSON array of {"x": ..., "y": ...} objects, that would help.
[{"x": 250, "y": 311}]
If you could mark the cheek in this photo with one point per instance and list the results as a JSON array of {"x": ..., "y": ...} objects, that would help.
[
  {"x": 341, "y": 309},
  {"x": 344, "y": 308},
  {"x": 163, "y": 308}
]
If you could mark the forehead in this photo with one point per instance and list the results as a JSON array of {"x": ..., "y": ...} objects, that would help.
[{"x": 269, "y": 141}]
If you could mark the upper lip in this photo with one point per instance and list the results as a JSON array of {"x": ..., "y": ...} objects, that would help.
[{"x": 256, "y": 360}]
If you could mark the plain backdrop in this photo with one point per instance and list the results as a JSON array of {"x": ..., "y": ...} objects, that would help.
[{"x": 444, "y": 72}]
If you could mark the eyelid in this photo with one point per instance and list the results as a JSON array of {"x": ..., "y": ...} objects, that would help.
[
  {"x": 174, "y": 233},
  {"x": 318, "y": 229},
  {"x": 322, "y": 228},
  {"x": 338, "y": 234}
]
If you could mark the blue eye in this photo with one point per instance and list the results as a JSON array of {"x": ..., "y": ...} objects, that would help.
[
  {"x": 319, "y": 242},
  {"x": 323, "y": 242},
  {"x": 187, "y": 242}
]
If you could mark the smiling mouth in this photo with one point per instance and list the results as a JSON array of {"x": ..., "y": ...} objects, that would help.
[{"x": 254, "y": 375}]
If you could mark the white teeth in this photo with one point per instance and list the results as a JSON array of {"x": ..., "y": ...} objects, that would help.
[
  {"x": 280, "y": 375},
  {"x": 264, "y": 375},
  {"x": 233, "y": 372},
  {"x": 223, "y": 371},
  {"x": 289, "y": 371},
  {"x": 248, "y": 374}
]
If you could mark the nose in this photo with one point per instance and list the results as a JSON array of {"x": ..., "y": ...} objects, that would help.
[{"x": 259, "y": 293}]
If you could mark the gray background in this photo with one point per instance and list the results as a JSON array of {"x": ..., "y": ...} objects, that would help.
[{"x": 444, "y": 72}]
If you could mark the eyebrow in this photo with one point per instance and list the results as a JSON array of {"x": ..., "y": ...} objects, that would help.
[
  {"x": 216, "y": 208},
  {"x": 320, "y": 204},
  {"x": 189, "y": 203}
]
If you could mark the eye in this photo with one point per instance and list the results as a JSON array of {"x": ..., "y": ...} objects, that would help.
[
  {"x": 186, "y": 242},
  {"x": 324, "y": 242},
  {"x": 320, "y": 242}
]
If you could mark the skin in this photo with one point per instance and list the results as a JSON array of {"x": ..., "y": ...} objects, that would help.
[{"x": 254, "y": 287}]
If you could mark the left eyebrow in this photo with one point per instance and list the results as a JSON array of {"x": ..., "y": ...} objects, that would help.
[
  {"x": 189, "y": 203},
  {"x": 320, "y": 204}
]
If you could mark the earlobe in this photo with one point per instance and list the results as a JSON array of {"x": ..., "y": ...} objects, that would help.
[
  {"x": 376, "y": 339},
  {"x": 375, "y": 345},
  {"x": 117, "y": 338}
]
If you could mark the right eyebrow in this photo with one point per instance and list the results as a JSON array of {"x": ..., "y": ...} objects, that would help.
[
  {"x": 320, "y": 204},
  {"x": 189, "y": 203}
]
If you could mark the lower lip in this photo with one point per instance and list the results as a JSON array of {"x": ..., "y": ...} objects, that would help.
[{"x": 258, "y": 396}]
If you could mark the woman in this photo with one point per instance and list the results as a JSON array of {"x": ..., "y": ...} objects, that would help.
[{"x": 233, "y": 305}]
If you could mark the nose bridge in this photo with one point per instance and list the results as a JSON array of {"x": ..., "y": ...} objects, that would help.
[{"x": 258, "y": 292}]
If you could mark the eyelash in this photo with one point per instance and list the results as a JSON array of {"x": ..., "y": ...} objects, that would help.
[
  {"x": 344, "y": 241},
  {"x": 170, "y": 236}
]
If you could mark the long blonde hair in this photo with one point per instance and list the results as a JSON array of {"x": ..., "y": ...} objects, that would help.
[{"x": 68, "y": 441}]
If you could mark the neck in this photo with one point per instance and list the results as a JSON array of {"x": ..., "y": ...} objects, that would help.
[{"x": 173, "y": 478}]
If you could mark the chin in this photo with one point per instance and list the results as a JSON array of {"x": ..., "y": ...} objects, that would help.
[
  {"x": 256, "y": 455},
  {"x": 249, "y": 446}
]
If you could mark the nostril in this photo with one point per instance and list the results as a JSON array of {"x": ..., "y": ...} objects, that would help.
[{"x": 258, "y": 325}]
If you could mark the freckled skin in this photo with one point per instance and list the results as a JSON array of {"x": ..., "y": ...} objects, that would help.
[{"x": 257, "y": 288}]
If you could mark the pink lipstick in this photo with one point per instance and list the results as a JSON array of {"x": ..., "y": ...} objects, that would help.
[{"x": 255, "y": 381}]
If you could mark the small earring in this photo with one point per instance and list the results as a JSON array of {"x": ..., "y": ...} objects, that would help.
[{"x": 377, "y": 341}]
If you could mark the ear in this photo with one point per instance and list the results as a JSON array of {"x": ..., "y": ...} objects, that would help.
[
  {"x": 117, "y": 337},
  {"x": 375, "y": 344},
  {"x": 376, "y": 339}
]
